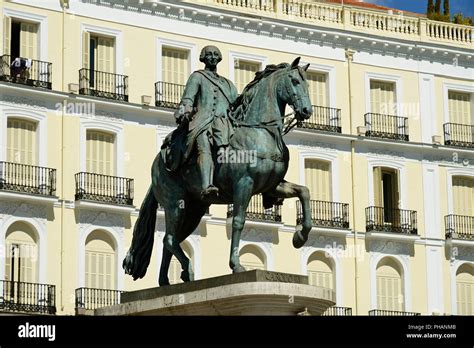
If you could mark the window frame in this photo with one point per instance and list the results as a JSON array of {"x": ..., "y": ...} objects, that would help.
[
  {"x": 193, "y": 58},
  {"x": 370, "y": 76},
  {"x": 117, "y": 35},
  {"x": 41, "y": 21}
]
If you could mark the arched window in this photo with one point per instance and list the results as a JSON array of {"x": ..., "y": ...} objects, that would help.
[
  {"x": 100, "y": 261},
  {"x": 100, "y": 152},
  {"x": 390, "y": 286},
  {"x": 465, "y": 289},
  {"x": 21, "y": 141},
  {"x": 21, "y": 261},
  {"x": 318, "y": 179},
  {"x": 320, "y": 271},
  {"x": 251, "y": 257},
  {"x": 174, "y": 271}
]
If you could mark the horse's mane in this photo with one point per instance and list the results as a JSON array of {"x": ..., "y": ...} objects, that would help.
[{"x": 245, "y": 98}]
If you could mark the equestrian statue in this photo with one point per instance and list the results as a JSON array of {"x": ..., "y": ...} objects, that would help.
[{"x": 187, "y": 175}]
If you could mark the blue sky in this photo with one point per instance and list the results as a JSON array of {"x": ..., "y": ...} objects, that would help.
[{"x": 464, "y": 6}]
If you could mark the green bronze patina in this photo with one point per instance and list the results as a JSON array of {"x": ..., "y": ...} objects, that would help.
[{"x": 212, "y": 121}]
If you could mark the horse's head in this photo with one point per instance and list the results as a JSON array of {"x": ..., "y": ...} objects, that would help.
[{"x": 296, "y": 92}]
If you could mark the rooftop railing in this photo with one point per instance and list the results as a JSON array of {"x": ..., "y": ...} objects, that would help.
[{"x": 394, "y": 23}]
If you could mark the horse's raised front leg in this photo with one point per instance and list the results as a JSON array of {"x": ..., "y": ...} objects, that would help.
[
  {"x": 288, "y": 190},
  {"x": 242, "y": 194}
]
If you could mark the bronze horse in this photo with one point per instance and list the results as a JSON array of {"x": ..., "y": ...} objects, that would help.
[{"x": 259, "y": 114}]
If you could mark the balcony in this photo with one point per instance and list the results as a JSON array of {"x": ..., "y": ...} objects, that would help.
[
  {"x": 396, "y": 24},
  {"x": 27, "y": 297},
  {"x": 168, "y": 95},
  {"x": 386, "y": 126},
  {"x": 90, "y": 299},
  {"x": 103, "y": 84},
  {"x": 324, "y": 119},
  {"x": 256, "y": 212},
  {"x": 380, "y": 219},
  {"x": 338, "y": 312},
  {"x": 22, "y": 178},
  {"x": 30, "y": 72},
  {"x": 326, "y": 214},
  {"x": 385, "y": 313},
  {"x": 461, "y": 135},
  {"x": 104, "y": 189},
  {"x": 459, "y": 227}
]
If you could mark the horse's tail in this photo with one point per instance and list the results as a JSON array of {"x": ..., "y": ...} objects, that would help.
[{"x": 138, "y": 256}]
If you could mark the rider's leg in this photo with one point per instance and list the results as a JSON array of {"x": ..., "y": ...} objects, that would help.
[{"x": 205, "y": 165}]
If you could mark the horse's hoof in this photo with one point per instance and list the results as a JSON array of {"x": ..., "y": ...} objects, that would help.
[
  {"x": 239, "y": 269},
  {"x": 164, "y": 282},
  {"x": 298, "y": 239},
  {"x": 187, "y": 276}
]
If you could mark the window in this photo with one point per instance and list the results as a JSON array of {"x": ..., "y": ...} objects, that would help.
[
  {"x": 382, "y": 97},
  {"x": 320, "y": 271},
  {"x": 21, "y": 254},
  {"x": 98, "y": 53},
  {"x": 252, "y": 258},
  {"x": 317, "y": 88},
  {"x": 100, "y": 152},
  {"x": 465, "y": 289},
  {"x": 463, "y": 195},
  {"x": 175, "y": 66},
  {"x": 318, "y": 179},
  {"x": 21, "y": 38},
  {"x": 460, "y": 108},
  {"x": 389, "y": 286},
  {"x": 386, "y": 189},
  {"x": 100, "y": 261},
  {"x": 175, "y": 269},
  {"x": 21, "y": 141},
  {"x": 244, "y": 73}
]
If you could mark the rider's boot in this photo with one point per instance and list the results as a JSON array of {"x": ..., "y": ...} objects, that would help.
[{"x": 206, "y": 168}]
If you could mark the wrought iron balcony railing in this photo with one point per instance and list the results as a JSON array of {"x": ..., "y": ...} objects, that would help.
[
  {"x": 338, "y": 311},
  {"x": 461, "y": 135},
  {"x": 30, "y": 72},
  {"x": 255, "y": 211},
  {"x": 89, "y": 298},
  {"x": 323, "y": 118},
  {"x": 27, "y": 297},
  {"x": 103, "y": 84},
  {"x": 386, "y": 126},
  {"x": 104, "y": 188},
  {"x": 459, "y": 227},
  {"x": 390, "y": 220},
  {"x": 383, "y": 312},
  {"x": 27, "y": 179},
  {"x": 168, "y": 95},
  {"x": 326, "y": 214}
]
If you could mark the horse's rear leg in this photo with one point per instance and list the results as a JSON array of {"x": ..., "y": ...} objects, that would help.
[
  {"x": 242, "y": 194},
  {"x": 165, "y": 265},
  {"x": 288, "y": 190},
  {"x": 192, "y": 218},
  {"x": 174, "y": 221}
]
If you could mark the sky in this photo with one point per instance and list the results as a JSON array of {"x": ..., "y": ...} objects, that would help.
[{"x": 466, "y": 7}]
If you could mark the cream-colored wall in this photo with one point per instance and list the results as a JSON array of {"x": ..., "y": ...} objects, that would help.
[{"x": 139, "y": 61}]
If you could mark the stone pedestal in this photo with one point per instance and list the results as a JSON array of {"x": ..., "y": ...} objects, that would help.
[{"x": 250, "y": 293}]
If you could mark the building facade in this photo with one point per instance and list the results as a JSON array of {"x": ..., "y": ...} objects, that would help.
[{"x": 87, "y": 94}]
